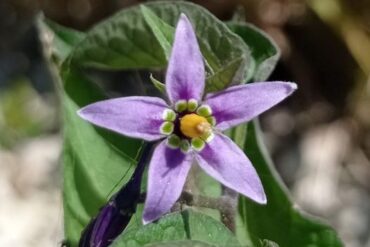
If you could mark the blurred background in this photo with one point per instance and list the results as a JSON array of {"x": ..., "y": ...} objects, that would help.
[{"x": 319, "y": 138}]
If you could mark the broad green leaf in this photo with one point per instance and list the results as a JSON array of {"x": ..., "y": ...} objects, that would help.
[
  {"x": 185, "y": 225},
  {"x": 268, "y": 243},
  {"x": 265, "y": 52},
  {"x": 139, "y": 37},
  {"x": 95, "y": 161},
  {"x": 163, "y": 32},
  {"x": 181, "y": 243},
  {"x": 279, "y": 221}
]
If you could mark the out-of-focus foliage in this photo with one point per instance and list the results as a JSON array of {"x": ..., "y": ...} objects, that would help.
[{"x": 22, "y": 113}]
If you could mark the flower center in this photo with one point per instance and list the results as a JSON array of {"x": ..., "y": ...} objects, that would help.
[{"x": 193, "y": 125}]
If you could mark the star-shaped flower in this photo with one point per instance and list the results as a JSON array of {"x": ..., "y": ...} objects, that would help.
[{"x": 188, "y": 127}]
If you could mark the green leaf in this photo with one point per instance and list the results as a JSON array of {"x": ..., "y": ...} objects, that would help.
[
  {"x": 181, "y": 243},
  {"x": 279, "y": 221},
  {"x": 158, "y": 85},
  {"x": 63, "y": 39},
  {"x": 163, "y": 32},
  {"x": 264, "y": 51},
  {"x": 95, "y": 161},
  {"x": 268, "y": 243},
  {"x": 139, "y": 37},
  {"x": 185, "y": 225}
]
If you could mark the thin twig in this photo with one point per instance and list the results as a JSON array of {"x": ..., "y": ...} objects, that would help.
[
  {"x": 228, "y": 215},
  {"x": 226, "y": 204}
]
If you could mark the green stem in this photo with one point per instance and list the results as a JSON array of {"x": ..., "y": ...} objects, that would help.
[{"x": 226, "y": 204}]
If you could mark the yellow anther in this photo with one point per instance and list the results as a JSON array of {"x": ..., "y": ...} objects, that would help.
[
  {"x": 193, "y": 125},
  {"x": 203, "y": 127}
]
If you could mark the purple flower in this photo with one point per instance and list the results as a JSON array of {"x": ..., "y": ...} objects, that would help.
[{"x": 188, "y": 128}]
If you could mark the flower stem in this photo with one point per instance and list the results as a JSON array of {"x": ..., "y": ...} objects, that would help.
[
  {"x": 226, "y": 204},
  {"x": 228, "y": 215}
]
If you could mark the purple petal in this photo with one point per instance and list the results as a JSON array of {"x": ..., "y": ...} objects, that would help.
[
  {"x": 168, "y": 170},
  {"x": 223, "y": 160},
  {"x": 185, "y": 73},
  {"x": 239, "y": 104},
  {"x": 137, "y": 117}
]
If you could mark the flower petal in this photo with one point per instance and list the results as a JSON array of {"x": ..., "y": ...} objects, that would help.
[
  {"x": 223, "y": 160},
  {"x": 185, "y": 73},
  {"x": 168, "y": 170},
  {"x": 137, "y": 117},
  {"x": 239, "y": 104}
]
